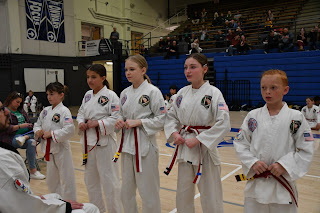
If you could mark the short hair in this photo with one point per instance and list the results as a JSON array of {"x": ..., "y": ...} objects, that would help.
[
  {"x": 282, "y": 74},
  {"x": 311, "y": 99},
  {"x": 173, "y": 87}
]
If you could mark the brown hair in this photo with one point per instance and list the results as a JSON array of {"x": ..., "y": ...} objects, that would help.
[
  {"x": 141, "y": 61},
  {"x": 282, "y": 74},
  {"x": 101, "y": 71},
  {"x": 311, "y": 99},
  {"x": 12, "y": 96},
  {"x": 202, "y": 59}
]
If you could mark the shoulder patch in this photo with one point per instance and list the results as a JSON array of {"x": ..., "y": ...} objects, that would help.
[
  {"x": 294, "y": 126},
  {"x": 87, "y": 98},
  {"x": 223, "y": 106},
  {"x": 20, "y": 186},
  {"x": 308, "y": 136},
  {"x": 144, "y": 100},
  {"x": 123, "y": 100},
  {"x": 206, "y": 101},
  {"x": 252, "y": 124},
  {"x": 179, "y": 100},
  {"x": 45, "y": 112}
]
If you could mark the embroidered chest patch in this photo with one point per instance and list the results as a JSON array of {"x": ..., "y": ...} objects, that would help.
[
  {"x": 87, "y": 98},
  {"x": 123, "y": 100},
  {"x": 178, "y": 100},
  {"x": 45, "y": 112},
  {"x": 294, "y": 126},
  {"x": 56, "y": 118},
  {"x": 252, "y": 124},
  {"x": 314, "y": 110},
  {"x": 103, "y": 100},
  {"x": 206, "y": 101},
  {"x": 304, "y": 110},
  {"x": 144, "y": 100}
]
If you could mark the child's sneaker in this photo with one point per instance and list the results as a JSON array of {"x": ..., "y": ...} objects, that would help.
[
  {"x": 37, "y": 176},
  {"x": 20, "y": 140}
]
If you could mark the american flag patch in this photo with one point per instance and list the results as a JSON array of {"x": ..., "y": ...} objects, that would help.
[
  {"x": 68, "y": 120},
  {"x": 163, "y": 110},
  {"x": 223, "y": 106},
  {"x": 115, "y": 108},
  {"x": 308, "y": 137}
]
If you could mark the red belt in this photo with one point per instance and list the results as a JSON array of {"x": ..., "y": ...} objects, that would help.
[
  {"x": 85, "y": 155},
  {"x": 191, "y": 129},
  {"x": 47, "y": 154}
]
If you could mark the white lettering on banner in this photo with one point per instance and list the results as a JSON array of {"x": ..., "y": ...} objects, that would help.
[
  {"x": 35, "y": 11},
  {"x": 55, "y": 15}
]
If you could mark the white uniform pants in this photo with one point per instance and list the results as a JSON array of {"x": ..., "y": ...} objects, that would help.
[
  {"x": 60, "y": 175},
  {"x": 32, "y": 107},
  {"x": 210, "y": 187},
  {"x": 101, "y": 172},
  {"x": 252, "y": 206},
  {"x": 148, "y": 182}
]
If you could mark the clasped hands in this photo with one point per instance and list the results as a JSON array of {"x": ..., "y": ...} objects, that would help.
[
  {"x": 276, "y": 169},
  {"x": 190, "y": 142}
]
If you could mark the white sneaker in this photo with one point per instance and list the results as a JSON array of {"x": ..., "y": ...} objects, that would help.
[
  {"x": 37, "y": 176},
  {"x": 20, "y": 140}
]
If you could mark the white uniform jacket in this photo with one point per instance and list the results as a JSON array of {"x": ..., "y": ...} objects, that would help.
[
  {"x": 171, "y": 100},
  {"x": 59, "y": 122},
  {"x": 199, "y": 107},
  {"x": 147, "y": 104},
  {"x": 104, "y": 108},
  {"x": 32, "y": 101},
  {"x": 285, "y": 138},
  {"x": 312, "y": 115}
]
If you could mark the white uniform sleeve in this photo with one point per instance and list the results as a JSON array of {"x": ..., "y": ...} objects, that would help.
[
  {"x": 172, "y": 123},
  {"x": 67, "y": 131},
  {"x": 38, "y": 125},
  {"x": 213, "y": 136},
  {"x": 242, "y": 146},
  {"x": 80, "y": 116},
  {"x": 106, "y": 125},
  {"x": 297, "y": 163},
  {"x": 27, "y": 100},
  {"x": 155, "y": 124}
]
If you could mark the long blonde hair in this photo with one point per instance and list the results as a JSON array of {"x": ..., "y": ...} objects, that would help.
[{"x": 142, "y": 62}]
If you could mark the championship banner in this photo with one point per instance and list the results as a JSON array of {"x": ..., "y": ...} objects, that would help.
[
  {"x": 98, "y": 47},
  {"x": 45, "y": 20}
]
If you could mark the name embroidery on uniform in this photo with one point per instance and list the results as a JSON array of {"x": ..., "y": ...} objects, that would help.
[
  {"x": 252, "y": 124},
  {"x": 294, "y": 126},
  {"x": 144, "y": 100},
  {"x": 87, "y": 98},
  {"x": 45, "y": 112},
  {"x": 103, "y": 100},
  {"x": 206, "y": 101},
  {"x": 56, "y": 117},
  {"x": 179, "y": 100},
  {"x": 123, "y": 100}
]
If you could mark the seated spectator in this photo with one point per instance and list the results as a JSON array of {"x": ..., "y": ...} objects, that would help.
[
  {"x": 19, "y": 125},
  {"x": 301, "y": 40},
  {"x": 237, "y": 16},
  {"x": 286, "y": 41},
  {"x": 230, "y": 36},
  {"x": 229, "y": 16},
  {"x": 143, "y": 51},
  {"x": 203, "y": 15},
  {"x": 314, "y": 42},
  {"x": 233, "y": 24},
  {"x": 234, "y": 45},
  {"x": 168, "y": 41},
  {"x": 216, "y": 19},
  {"x": 243, "y": 46},
  {"x": 193, "y": 37},
  {"x": 162, "y": 45},
  {"x": 270, "y": 42},
  {"x": 195, "y": 48},
  {"x": 221, "y": 19},
  {"x": 269, "y": 15},
  {"x": 172, "y": 51},
  {"x": 220, "y": 37},
  {"x": 30, "y": 103},
  {"x": 239, "y": 31},
  {"x": 174, "y": 38},
  {"x": 195, "y": 18},
  {"x": 204, "y": 34},
  {"x": 268, "y": 25}
]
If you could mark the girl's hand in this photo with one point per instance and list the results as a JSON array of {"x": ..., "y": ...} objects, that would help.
[
  {"x": 92, "y": 124},
  {"x": 83, "y": 126},
  {"x": 120, "y": 124},
  {"x": 39, "y": 133},
  {"x": 47, "y": 134},
  {"x": 191, "y": 142},
  {"x": 132, "y": 123},
  {"x": 75, "y": 204},
  {"x": 277, "y": 169},
  {"x": 259, "y": 167},
  {"x": 177, "y": 138}
]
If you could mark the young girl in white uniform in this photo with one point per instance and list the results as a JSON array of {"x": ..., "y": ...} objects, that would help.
[
  {"x": 96, "y": 117},
  {"x": 143, "y": 114},
  {"x": 312, "y": 114},
  {"x": 197, "y": 122},
  {"x": 55, "y": 126},
  {"x": 275, "y": 146}
]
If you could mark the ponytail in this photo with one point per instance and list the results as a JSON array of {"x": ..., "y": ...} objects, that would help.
[
  {"x": 106, "y": 83},
  {"x": 145, "y": 76}
]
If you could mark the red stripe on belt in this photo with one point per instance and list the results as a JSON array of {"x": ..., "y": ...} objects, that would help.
[{"x": 47, "y": 154}]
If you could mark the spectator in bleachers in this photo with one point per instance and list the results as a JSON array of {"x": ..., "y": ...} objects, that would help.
[
  {"x": 269, "y": 15},
  {"x": 221, "y": 19},
  {"x": 204, "y": 34},
  {"x": 233, "y": 47},
  {"x": 239, "y": 31},
  {"x": 268, "y": 25},
  {"x": 229, "y": 36},
  {"x": 286, "y": 41},
  {"x": 204, "y": 15},
  {"x": 316, "y": 100},
  {"x": 174, "y": 38},
  {"x": 220, "y": 37},
  {"x": 195, "y": 18},
  {"x": 229, "y": 16},
  {"x": 216, "y": 19},
  {"x": 162, "y": 45},
  {"x": 233, "y": 24},
  {"x": 172, "y": 51},
  {"x": 193, "y": 37},
  {"x": 314, "y": 42},
  {"x": 187, "y": 33},
  {"x": 301, "y": 39},
  {"x": 237, "y": 16},
  {"x": 243, "y": 47},
  {"x": 168, "y": 41},
  {"x": 195, "y": 48},
  {"x": 226, "y": 24},
  {"x": 143, "y": 51},
  {"x": 271, "y": 41}
]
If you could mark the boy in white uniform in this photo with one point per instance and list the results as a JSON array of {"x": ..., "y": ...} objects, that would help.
[
  {"x": 30, "y": 101},
  {"x": 197, "y": 122},
  {"x": 275, "y": 146},
  {"x": 55, "y": 126}
]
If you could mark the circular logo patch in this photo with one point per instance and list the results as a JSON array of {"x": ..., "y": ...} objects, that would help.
[
  {"x": 123, "y": 100},
  {"x": 252, "y": 124},
  {"x": 178, "y": 100}
]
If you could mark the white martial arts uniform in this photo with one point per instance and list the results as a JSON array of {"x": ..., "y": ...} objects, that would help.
[
  {"x": 32, "y": 101},
  {"x": 100, "y": 171},
  {"x": 199, "y": 107},
  {"x": 60, "y": 170},
  {"x": 145, "y": 103},
  {"x": 19, "y": 197},
  {"x": 170, "y": 102},
  {"x": 312, "y": 115},
  {"x": 285, "y": 138}
]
